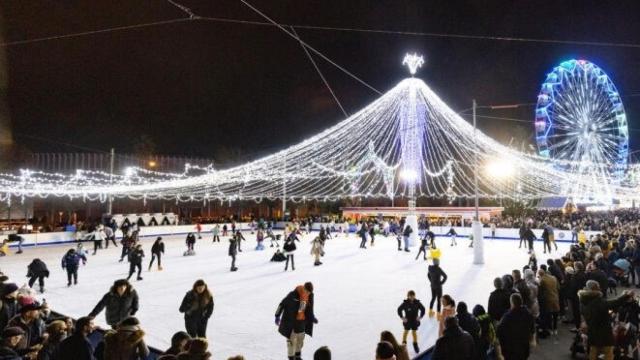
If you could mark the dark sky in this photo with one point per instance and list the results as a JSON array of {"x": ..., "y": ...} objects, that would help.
[{"x": 200, "y": 87}]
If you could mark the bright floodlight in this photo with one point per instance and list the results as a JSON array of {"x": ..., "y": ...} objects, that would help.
[
  {"x": 413, "y": 62},
  {"x": 500, "y": 168},
  {"x": 408, "y": 175}
]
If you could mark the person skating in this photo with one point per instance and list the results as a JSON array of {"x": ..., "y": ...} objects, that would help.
[
  {"x": 278, "y": 256},
  {"x": 157, "y": 250},
  {"x": 37, "y": 270},
  {"x": 109, "y": 235},
  {"x": 530, "y": 237},
  {"x": 197, "y": 306},
  {"x": 406, "y": 235},
  {"x": 289, "y": 249},
  {"x": 259, "y": 240},
  {"x": 424, "y": 243},
  {"x": 233, "y": 251},
  {"x": 135, "y": 261},
  {"x": 224, "y": 230},
  {"x": 273, "y": 238},
  {"x": 372, "y": 233},
  {"x": 71, "y": 263},
  {"x": 216, "y": 232},
  {"x": 452, "y": 233},
  {"x": 127, "y": 244},
  {"x": 411, "y": 311},
  {"x": 317, "y": 250},
  {"x": 199, "y": 230},
  {"x": 363, "y": 235},
  {"x": 432, "y": 238},
  {"x": 522, "y": 232},
  {"x": 120, "y": 302},
  {"x": 98, "y": 235},
  {"x": 191, "y": 242},
  {"x": 295, "y": 318},
  {"x": 437, "y": 277},
  {"x": 240, "y": 238},
  {"x": 546, "y": 239}
]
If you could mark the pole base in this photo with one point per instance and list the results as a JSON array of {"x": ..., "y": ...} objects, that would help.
[{"x": 478, "y": 242}]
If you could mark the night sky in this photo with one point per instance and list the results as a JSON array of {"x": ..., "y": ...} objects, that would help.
[{"x": 211, "y": 89}]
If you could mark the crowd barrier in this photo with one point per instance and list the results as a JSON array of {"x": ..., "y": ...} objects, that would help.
[{"x": 169, "y": 230}]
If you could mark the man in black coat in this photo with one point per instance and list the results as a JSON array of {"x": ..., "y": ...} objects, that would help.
[
  {"x": 455, "y": 344},
  {"x": 295, "y": 318},
  {"x": 515, "y": 330},
  {"x": 77, "y": 346},
  {"x": 121, "y": 302},
  {"x": 135, "y": 261},
  {"x": 11, "y": 337},
  {"x": 411, "y": 311},
  {"x": 8, "y": 303},
  {"x": 498, "y": 300},
  {"x": 37, "y": 270}
]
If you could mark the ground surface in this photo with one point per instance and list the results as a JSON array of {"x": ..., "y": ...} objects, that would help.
[{"x": 357, "y": 291}]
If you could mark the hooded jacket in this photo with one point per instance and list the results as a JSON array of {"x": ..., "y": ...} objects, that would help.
[
  {"x": 127, "y": 343},
  {"x": 595, "y": 310}
]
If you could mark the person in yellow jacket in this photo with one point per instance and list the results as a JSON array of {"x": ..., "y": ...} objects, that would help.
[{"x": 582, "y": 238}]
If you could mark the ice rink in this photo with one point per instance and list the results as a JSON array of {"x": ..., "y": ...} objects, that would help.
[{"x": 357, "y": 291}]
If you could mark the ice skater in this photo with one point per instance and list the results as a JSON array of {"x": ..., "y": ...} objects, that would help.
[
  {"x": 406, "y": 234},
  {"x": 273, "y": 238},
  {"x": 121, "y": 302},
  {"x": 411, "y": 311},
  {"x": 363, "y": 235},
  {"x": 135, "y": 261},
  {"x": 437, "y": 278},
  {"x": 233, "y": 252},
  {"x": 215, "y": 231},
  {"x": 191, "y": 242},
  {"x": 259, "y": 239},
  {"x": 197, "y": 306},
  {"x": 127, "y": 244},
  {"x": 295, "y": 318},
  {"x": 240, "y": 238},
  {"x": 109, "y": 235},
  {"x": 157, "y": 249},
  {"x": 372, "y": 233},
  {"x": 37, "y": 270},
  {"x": 71, "y": 263},
  {"x": 424, "y": 244},
  {"x": 97, "y": 235},
  {"x": 317, "y": 250},
  {"x": 452, "y": 233},
  {"x": 224, "y": 230},
  {"x": 199, "y": 230},
  {"x": 289, "y": 249}
]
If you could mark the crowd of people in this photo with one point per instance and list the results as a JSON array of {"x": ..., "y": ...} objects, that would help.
[{"x": 524, "y": 310}]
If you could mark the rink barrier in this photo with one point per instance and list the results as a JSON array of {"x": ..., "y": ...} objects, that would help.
[{"x": 57, "y": 238}]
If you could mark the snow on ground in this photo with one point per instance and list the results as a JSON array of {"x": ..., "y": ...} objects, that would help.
[{"x": 357, "y": 291}]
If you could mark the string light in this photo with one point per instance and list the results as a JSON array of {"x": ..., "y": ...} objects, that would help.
[{"x": 338, "y": 163}]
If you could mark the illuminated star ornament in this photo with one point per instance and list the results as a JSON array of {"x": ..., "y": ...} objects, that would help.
[{"x": 413, "y": 62}]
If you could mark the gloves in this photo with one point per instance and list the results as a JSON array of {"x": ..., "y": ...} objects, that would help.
[
  {"x": 315, "y": 321},
  {"x": 277, "y": 320}
]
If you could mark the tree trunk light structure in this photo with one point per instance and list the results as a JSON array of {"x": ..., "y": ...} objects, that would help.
[{"x": 476, "y": 225}]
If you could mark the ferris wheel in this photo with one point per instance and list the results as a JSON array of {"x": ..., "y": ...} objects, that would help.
[{"x": 580, "y": 121}]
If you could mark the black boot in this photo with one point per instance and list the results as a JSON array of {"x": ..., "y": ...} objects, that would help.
[
  {"x": 415, "y": 347},
  {"x": 298, "y": 356}
]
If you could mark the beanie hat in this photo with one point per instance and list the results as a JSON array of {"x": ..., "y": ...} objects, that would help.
[
  {"x": 130, "y": 321},
  {"x": 11, "y": 331},
  {"x": 384, "y": 350},
  {"x": 9, "y": 288}
]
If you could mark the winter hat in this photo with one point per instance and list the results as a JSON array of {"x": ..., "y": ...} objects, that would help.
[
  {"x": 198, "y": 346},
  {"x": 11, "y": 331},
  {"x": 26, "y": 300},
  {"x": 30, "y": 307},
  {"x": 130, "y": 321},
  {"x": 9, "y": 288}
]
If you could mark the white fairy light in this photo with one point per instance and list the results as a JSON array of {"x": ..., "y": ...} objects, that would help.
[
  {"x": 413, "y": 62},
  {"x": 336, "y": 164}
]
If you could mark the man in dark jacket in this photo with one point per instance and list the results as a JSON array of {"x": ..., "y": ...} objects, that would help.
[
  {"x": 8, "y": 303},
  {"x": 515, "y": 330},
  {"x": 595, "y": 310},
  {"x": 29, "y": 321},
  {"x": 411, "y": 311},
  {"x": 576, "y": 283},
  {"x": 77, "y": 346},
  {"x": 295, "y": 318},
  {"x": 597, "y": 274},
  {"x": 11, "y": 337},
  {"x": 37, "y": 270},
  {"x": 135, "y": 261},
  {"x": 468, "y": 323},
  {"x": 121, "y": 302},
  {"x": 498, "y": 300},
  {"x": 233, "y": 251},
  {"x": 71, "y": 263},
  {"x": 437, "y": 278},
  {"x": 455, "y": 343}
]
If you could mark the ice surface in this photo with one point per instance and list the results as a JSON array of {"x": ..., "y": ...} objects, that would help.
[{"x": 357, "y": 291}]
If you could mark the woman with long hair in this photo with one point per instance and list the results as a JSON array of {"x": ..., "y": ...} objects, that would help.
[
  {"x": 448, "y": 309},
  {"x": 197, "y": 307},
  {"x": 399, "y": 350}
]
